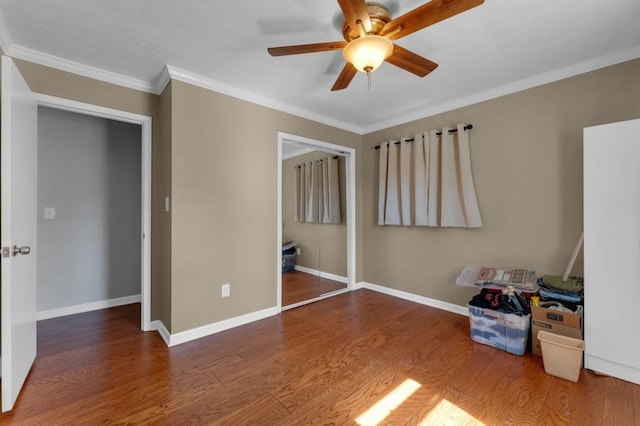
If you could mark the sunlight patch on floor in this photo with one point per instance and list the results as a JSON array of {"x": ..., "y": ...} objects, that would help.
[
  {"x": 381, "y": 409},
  {"x": 447, "y": 413}
]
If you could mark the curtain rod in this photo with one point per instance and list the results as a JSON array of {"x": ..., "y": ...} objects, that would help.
[
  {"x": 335, "y": 157},
  {"x": 466, "y": 127}
]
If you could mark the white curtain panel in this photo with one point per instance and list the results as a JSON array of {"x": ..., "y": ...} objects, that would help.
[
  {"x": 420, "y": 167},
  {"x": 317, "y": 194},
  {"x": 300, "y": 201},
  {"x": 383, "y": 166},
  {"x": 331, "y": 190},
  {"x": 405, "y": 187},
  {"x": 428, "y": 181},
  {"x": 433, "y": 211},
  {"x": 311, "y": 191},
  {"x": 392, "y": 208}
]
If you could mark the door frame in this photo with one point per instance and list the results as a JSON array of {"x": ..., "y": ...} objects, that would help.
[
  {"x": 146, "y": 143},
  {"x": 350, "y": 156}
]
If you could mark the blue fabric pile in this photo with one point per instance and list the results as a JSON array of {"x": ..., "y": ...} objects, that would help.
[{"x": 561, "y": 295}]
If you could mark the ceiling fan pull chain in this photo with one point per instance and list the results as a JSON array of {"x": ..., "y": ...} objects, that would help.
[{"x": 368, "y": 80}]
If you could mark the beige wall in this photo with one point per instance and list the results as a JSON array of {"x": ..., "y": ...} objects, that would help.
[
  {"x": 62, "y": 84},
  {"x": 323, "y": 246},
  {"x": 224, "y": 158},
  {"x": 527, "y": 163},
  {"x": 216, "y": 157},
  {"x": 161, "y": 221}
]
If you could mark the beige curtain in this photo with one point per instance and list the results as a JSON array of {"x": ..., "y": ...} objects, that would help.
[
  {"x": 428, "y": 181},
  {"x": 331, "y": 190},
  {"x": 318, "y": 191}
]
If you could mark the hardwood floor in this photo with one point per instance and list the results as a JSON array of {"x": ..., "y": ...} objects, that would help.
[
  {"x": 299, "y": 286},
  {"x": 328, "y": 362}
]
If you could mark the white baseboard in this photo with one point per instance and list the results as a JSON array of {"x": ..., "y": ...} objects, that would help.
[
  {"x": 358, "y": 285},
  {"x": 321, "y": 274},
  {"x": 158, "y": 326},
  {"x": 446, "y": 306},
  {"x": 87, "y": 307},
  {"x": 610, "y": 368},
  {"x": 315, "y": 299},
  {"x": 216, "y": 327},
  {"x": 209, "y": 329}
]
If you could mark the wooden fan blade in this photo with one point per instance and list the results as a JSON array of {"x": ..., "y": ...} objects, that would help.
[
  {"x": 425, "y": 15},
  {"x": 354, "y": 11},
  {"x": 345, "y": 77},
  {"x": 306, "y": 48},
  {"x": 410, "y": 61}
]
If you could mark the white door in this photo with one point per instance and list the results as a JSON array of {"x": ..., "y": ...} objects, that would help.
[
  {"x": 612, "y": 249},
  {"x": 19, "y": 221}
]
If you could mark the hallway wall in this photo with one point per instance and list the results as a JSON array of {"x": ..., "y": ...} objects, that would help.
[{"x": 89, "y": 170}]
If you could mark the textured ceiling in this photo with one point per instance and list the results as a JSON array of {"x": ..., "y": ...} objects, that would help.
[{"x": 495, "y": 48}]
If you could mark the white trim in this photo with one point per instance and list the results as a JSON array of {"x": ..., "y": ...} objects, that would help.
[
  {"x": 279, "y": 226},
  {"x": 62, "y": 64},
  {"x": 216, "y": 327},
  {"x": 162, "y": 80},
  {"x": 216, "y": 86},
  {"x": 517, "y": 86},
  {"x": 358, "y": 285},
  {"x": 145, "y": 123},
  {"x": 89, "y": 109},
  {"x": 157, "y": 325},
  {"x": 445, "y": 306},
  {"x": 315, "y": 299},
  {"x": 610, "y": 368},
  {"x": 170, "y": 72},
  {"x": 87, "y": 307},
  {"x": 321, "y": 274},
  {"x": 350, "y": 156}
]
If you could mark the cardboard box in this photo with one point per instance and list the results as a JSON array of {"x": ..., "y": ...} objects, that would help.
[
  {"x": 508, "y": 332},
  {"x": 563, "y": 323}
]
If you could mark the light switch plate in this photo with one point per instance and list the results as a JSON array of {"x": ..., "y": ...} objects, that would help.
[{"x": 49, "y": 212}]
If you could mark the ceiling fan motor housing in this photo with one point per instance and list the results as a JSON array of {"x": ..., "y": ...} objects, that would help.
[{"x": 379, "y": 15}]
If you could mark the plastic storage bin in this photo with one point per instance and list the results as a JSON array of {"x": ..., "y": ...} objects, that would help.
[
  {"x": 508, "y": 332},
  {"x": 561, "y": 355},
  {"x": 288, "y": 255},
  {"x": 288, "y": 262}
]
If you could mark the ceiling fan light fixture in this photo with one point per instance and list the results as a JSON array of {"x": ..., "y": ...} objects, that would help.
[{"x": 367, "y": 53}]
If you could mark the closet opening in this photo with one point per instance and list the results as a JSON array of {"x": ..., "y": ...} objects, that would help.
[{"x": 316, "y": 220}]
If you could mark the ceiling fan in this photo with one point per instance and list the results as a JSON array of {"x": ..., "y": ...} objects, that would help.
[{"x": 368, "y": 30}]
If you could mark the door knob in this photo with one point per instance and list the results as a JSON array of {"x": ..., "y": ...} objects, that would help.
[{"x": 20, "y": 250}]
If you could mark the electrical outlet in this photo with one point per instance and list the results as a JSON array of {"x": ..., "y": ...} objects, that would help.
[
  {"x": 49, "y": 212},
  {"x": 298, "y": 251},
  {"x": 226, "y": 290}
]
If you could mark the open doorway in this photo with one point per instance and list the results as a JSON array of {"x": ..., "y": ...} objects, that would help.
[
  {"x": 93, "y": 208},
  {"x": 316, "y": 255}
]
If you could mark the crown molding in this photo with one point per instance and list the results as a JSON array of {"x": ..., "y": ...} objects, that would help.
[
  {"x": 170, "y": 72},
  {"x": 61, "y": 64},
  {"x": 524, "y": 84},
  {"x": 5, "y": 37},
  {"x": 215, "y": 86},
  {"x": 162, "y": 80}
]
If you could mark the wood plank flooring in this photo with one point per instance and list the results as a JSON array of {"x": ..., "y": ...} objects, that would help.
[
  {"x": 298, "y": 286},
  {"x": 361, "y": 355}
]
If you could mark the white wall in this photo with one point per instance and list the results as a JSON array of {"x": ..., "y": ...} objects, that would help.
[{"x": 89, "y": 171}]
